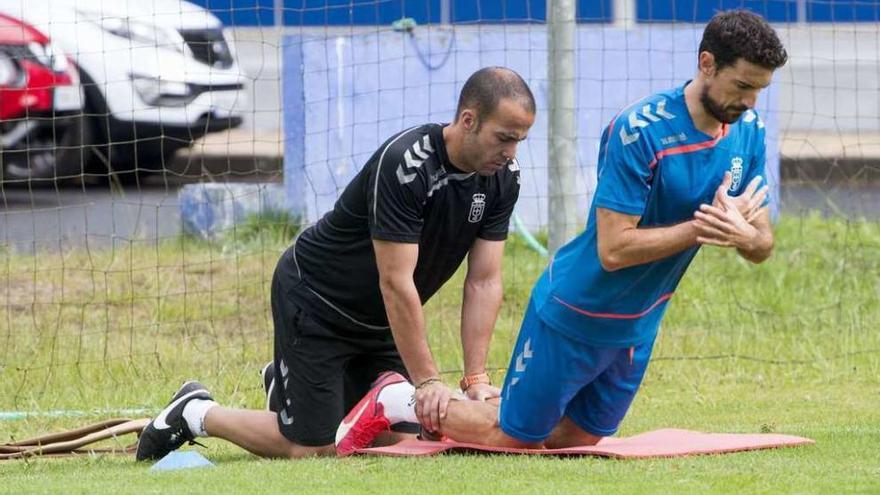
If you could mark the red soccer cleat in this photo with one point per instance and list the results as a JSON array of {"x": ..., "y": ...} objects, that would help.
[{"x": 367, "y": 419}]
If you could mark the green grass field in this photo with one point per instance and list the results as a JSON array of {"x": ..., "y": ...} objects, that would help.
[{"x": 790, "y": 346}]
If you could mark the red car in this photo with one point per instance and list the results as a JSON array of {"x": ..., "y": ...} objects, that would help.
[{"x": 41, "y": 124}]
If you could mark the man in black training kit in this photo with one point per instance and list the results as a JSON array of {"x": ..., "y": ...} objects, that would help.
[{"x": 347, "y": 296}]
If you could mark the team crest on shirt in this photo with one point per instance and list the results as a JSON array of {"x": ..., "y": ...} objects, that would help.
[
  {"x": 736, "y": 172},
  {"x": 478, "y": 206}
]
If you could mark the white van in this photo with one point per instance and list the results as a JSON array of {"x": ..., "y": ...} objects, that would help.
[{"x": 157, "y": 74}]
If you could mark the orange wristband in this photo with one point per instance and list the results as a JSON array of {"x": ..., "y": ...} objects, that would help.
[{"x": 468, "y": 380}]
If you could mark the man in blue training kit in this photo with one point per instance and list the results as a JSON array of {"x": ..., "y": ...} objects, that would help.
[{"x": 677, "y": 170}]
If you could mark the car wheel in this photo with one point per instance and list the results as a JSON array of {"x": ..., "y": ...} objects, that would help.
[{"x": 44, "y": 150}]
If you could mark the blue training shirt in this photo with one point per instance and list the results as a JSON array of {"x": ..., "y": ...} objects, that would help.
[{"x": 654, "y": 163}]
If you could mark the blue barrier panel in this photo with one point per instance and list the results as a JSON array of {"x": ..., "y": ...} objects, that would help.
[
  {"x": 359, "y": 12},
  {"x": 595, "y": 11},
  {"x": 241, "y": 12},
  {"x": 519, "y": 11},
  {"x": 384, "y": 12},
  {"x": 843, "y": 10},
  {"x": 345, "y": 95},
  {"x": 701, "y": 11},
  {"x": 493, "y": 11},
  {"x": 210, "y": 210}
]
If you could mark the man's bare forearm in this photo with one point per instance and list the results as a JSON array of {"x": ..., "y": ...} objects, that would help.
[
  {"x": 760, "y": 249},
  {"x": 761, "y": 246},
  {"x": 407, "y": 321},
  {"x": 637, "y": 246},
  {"x": 479, "y": 311}
]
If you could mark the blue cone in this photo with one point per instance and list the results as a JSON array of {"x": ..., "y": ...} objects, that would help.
[{"x": 182, "y": 460}]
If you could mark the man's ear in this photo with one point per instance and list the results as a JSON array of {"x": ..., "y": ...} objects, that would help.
[
  {"x": 468, "y": 119},
  {"x": 707, "y": 64}
]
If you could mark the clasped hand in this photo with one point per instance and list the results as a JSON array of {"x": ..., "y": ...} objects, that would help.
[{"x": 727, "y": 222}]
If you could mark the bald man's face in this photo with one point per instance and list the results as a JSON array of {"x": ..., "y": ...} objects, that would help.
[{"x": 489, "y": 145}]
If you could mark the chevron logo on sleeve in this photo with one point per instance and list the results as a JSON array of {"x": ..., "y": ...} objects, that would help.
[
  {"x": 627, "y": 138},
  {"x": 661, "y": 110},
  {"x": 641, "y": 119},
  {"x": 413, "y": 158}
]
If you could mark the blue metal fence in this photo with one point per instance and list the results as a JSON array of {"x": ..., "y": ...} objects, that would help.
[
  {"x": 843, "y": 10},
  {"x": 384, "y": 12},
  {"x": 703, "y": 10},
  {"x": 773, "y": 10},
  {"x": 241, "y": 12}
]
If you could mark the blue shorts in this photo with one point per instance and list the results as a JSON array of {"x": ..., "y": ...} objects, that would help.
[{"x": 551, "y": 376}]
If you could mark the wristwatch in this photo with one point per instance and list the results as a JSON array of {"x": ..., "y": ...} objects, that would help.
[{"x": 468, "y": 380}]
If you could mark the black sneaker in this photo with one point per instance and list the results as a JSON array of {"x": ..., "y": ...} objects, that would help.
[
  {"x": 168, "y": 431},
  {"x": 268, "y": 375}
]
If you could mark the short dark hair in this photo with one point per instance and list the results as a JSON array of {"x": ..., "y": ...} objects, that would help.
[
  {"x": 736, "y": 34},
  {"x": 486, "y": 87}
]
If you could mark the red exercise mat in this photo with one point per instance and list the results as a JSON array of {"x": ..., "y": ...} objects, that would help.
[{"x": 667, "y": 442}]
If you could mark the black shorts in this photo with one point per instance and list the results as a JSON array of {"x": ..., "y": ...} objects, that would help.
[{"x": 322, "y": 371}]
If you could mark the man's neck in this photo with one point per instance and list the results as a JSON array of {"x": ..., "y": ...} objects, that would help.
[
  {"x": 452, "y": 138},
  {"x": 703, "y": 121}
]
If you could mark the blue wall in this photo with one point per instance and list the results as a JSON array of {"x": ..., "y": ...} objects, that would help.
[
  {"x": 241, "y": 12},
  {"x": 843, "y": 10},
  {"x": 703, "y": 10},
  {"x": 773, "y": 10},
  {"x": 384, "y": 12}
]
